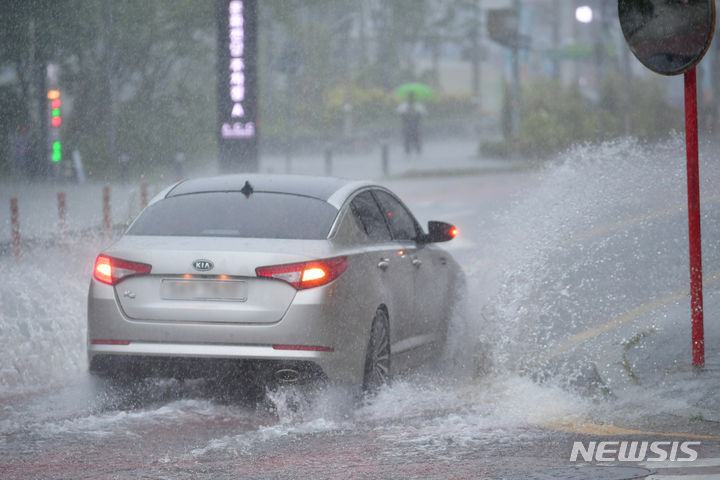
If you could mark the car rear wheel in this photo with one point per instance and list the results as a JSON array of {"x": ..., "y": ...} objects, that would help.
[{"x": 377, "y": 358}]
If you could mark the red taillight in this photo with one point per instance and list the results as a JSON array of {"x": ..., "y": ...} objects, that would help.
[
  {"x": 306, "y": 274},
  {"x": 454, "y": 232},
  {"x": 111, "y": 270}
]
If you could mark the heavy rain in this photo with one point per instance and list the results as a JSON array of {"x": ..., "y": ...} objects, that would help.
[{"x": 572, "y": 350}]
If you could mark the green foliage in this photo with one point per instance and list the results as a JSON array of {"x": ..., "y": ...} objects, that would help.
[
  {"x": 370, "y": 106},
  {"x": 25, "y": 38},
  {"x": 651, "y": 117},
  {"x": 451, "y": 106},
  {"x": 342, "y": 52},
  {"x": 140, "y": 77},
  {"x": 373, "y": 108},
  {"x": 496, "y": 148},
  {"x": 555, "y": 116},
  {"x": 10, "y": 119},
  {"x": 133, "y": 76},
  {"x": 150, "y": 72}
]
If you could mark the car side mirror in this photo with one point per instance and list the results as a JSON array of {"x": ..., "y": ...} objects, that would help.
[{"x": 440, "y": 232}]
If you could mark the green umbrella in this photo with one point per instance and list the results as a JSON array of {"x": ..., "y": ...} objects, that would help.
[{"x": 421, "y": 91}]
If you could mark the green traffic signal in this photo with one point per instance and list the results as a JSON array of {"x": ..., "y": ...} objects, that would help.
[{"x": 57, "y": 151}]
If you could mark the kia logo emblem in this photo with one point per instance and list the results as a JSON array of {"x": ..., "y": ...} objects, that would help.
[{"x": 203, "y": 265}]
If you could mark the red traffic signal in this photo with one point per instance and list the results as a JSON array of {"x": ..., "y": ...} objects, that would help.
[{"x": 54, "y": 97}]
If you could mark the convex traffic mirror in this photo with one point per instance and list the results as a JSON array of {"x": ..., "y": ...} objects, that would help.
[{"x": 668, "y": 36}]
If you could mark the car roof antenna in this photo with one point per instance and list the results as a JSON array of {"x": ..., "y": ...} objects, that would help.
[{"x": 247, "y": 189}]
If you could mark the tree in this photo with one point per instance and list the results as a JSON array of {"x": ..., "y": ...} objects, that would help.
[
  {"x": 27, "y": 44},
  {"x": 136, "y": 73}
]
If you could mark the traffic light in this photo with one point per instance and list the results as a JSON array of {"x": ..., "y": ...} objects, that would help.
[
  {"x": 57, "y": 151},
  {"x": 55, "y": 122},
  {"x": 54, "y": 97}
]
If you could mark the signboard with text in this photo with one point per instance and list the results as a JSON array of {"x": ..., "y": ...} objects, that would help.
[{"x": 237, "y": 51}]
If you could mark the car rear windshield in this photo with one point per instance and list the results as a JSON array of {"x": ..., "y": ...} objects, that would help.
[{"x": 232, "y": 214}]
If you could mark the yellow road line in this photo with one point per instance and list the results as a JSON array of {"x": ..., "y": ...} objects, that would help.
[
  {"x": 634, "y": 314},
  {"x": 630, "y": 316},
  {"x": 634, "y": 221},
  {"x": 625, "y": 223},
  {"x": 610, "y": 430}
]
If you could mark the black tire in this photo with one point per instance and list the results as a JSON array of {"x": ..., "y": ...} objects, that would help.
[{"x": 377, "y": 359}]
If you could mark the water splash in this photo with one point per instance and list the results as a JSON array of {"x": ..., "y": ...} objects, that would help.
[
  {"x": 566, "y": 255},
  {"x": 43, "y": 321}
]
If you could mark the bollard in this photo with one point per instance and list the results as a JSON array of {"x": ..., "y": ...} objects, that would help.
[
  {"x": 385, "y": 156},
  {"x": 106, "y": 210},
  {"x": 124, "y": 160},
  {"x": 15, "y": 222},
  {"x": 179, "y": 162},
  {"x": 328, "y": 161},
  {"x": 62, "y": 226},
  {"x": 143, "y": 195}
]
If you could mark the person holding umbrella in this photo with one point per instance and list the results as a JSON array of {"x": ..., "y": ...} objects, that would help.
[{"x": 411, "y": 113}]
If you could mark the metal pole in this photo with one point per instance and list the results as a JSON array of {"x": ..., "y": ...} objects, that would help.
[
  {"x": 109, "y": 69},
  {"x": 516, "y": 74},
  {"x": 693, "y": 183},
  {"x": 476, "y": 54},
  {"x": 328, "y": 161},
  {"x": 288, "y": 124},
  {"x": 15, "y": 223},
  {"x": 106, "y": 211},
  {"x": 627, "y": 94},
  {"x": 62, "y": 213},
  {"x": 385, "y": 158},
  {"x": 556, "y": 39}
]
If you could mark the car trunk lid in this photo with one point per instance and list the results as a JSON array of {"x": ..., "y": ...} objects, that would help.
[{"x": 209, "y": 279}]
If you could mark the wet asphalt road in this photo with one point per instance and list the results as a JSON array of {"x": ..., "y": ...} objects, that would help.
[
  {"x": 556, "y": 269},
  {"x": 174, "y": 431}
]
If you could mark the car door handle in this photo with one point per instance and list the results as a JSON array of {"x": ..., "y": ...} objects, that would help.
[
  {"x": 384, "y": 264},
  {"x": 417, "y": 262}
]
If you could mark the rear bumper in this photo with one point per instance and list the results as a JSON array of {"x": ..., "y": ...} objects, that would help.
[
  {"x": 311, "y": 321},
  {"x": 261, "y": 373},
  {"x": 255, "y": 352}
]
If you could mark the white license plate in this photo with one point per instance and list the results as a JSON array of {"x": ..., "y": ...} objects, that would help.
[{"x": 201, "y": 289}]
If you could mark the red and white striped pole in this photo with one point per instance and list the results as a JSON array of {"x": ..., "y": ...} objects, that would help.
[
  {"x": 15, "y": 225},
  {"x": 693, "y": 186},
  {"x": 106, "y": 210}
]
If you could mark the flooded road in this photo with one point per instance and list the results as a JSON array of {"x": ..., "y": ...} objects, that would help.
[
  {"x": 421, "y": 426},
  {"x": 573, "y": 274}
]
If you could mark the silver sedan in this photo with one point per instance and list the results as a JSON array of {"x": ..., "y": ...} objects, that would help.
[{"x": 288, "y": 277}]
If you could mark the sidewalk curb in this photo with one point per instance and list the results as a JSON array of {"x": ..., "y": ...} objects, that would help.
[{"x": 456, "y": 172}]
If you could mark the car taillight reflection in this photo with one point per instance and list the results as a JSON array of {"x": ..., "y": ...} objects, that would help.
[
  {"x": 306, "y": 274},
  {"x": 111, "y": 270}
]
